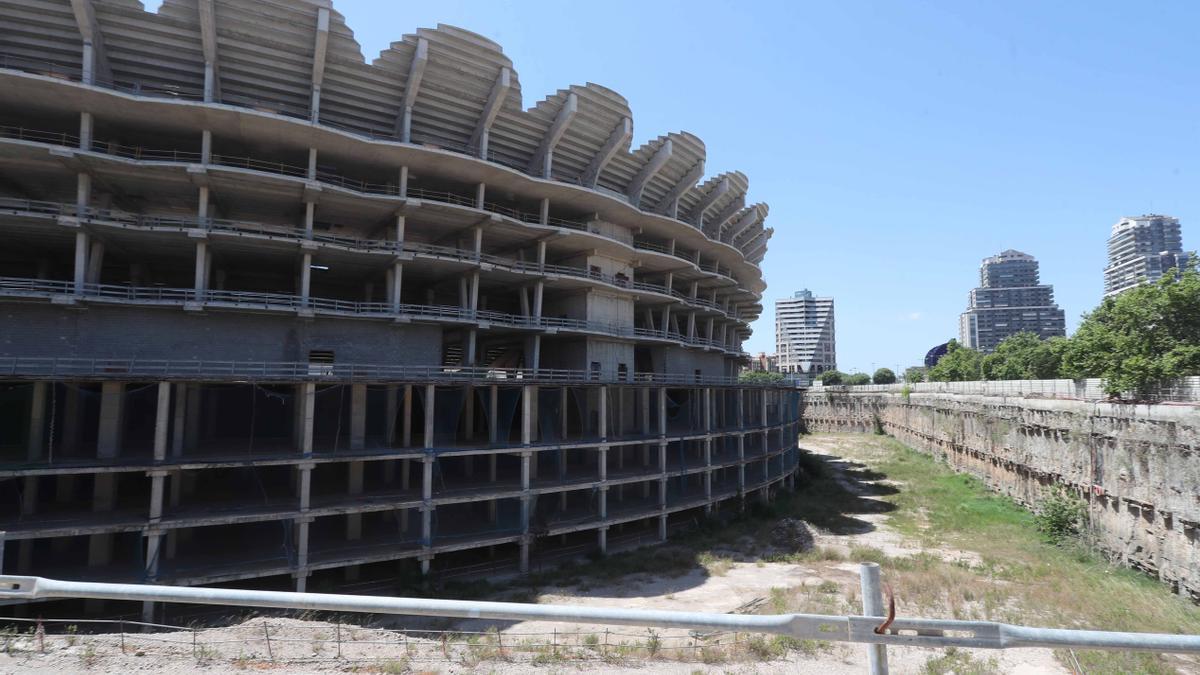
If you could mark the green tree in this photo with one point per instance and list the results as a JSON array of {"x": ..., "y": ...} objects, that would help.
[
  {"x": 831, "y": 377},
  {"x": 858, "y": 378},
  {"x": 760, "y": 377},
  {"x": 1025, "y": 356},
  {"x": 958, "y": 365},
  {"x": 1144, "y": 335},
  {"x": 914, "y": 374},
  {"x": 884, "y": 376}
]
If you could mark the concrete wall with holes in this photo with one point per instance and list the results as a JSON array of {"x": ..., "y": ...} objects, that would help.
[{"x": 1133, "y": 465}]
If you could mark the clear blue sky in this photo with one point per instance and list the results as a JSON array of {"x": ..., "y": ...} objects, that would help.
[{"x": 897, "y": 143}]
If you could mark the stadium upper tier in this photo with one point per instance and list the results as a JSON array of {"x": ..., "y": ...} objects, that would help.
[{"x": 443, "y": 101}]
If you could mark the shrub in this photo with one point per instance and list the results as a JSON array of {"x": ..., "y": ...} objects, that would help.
[{"x": 1060, "y": 516}]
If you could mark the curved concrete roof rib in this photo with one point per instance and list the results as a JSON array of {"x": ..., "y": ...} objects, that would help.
[{"x": 443, "y": 86}]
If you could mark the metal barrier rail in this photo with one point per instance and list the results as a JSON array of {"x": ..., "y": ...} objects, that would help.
[
  {"x": 303, "y": 370},
  {"x": 860, "y": 629},
  {"x": 26, "y": 287}
]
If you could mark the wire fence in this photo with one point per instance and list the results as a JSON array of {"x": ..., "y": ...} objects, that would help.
[{"x": 263, "y": 640}]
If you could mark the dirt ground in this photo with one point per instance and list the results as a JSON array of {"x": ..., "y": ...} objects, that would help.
[{"x": 737, "y": 574}]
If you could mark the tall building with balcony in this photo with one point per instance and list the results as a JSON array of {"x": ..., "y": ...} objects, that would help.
[
  {"x": 1010, "y": 299},
  {"x": 804, "y": 334},
  {"x": 273, "y": 314},
  {"x": 1141, "y": 250}
]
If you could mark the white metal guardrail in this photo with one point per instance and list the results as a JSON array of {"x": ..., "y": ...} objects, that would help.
[
  {"x": 1183, "y": 389},
  {"x": 870, "y": 630},
  {"x": 289, "y": 371}
]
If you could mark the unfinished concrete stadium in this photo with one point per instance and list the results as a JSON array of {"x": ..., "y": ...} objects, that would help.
[{"x": 274, "y": 315}]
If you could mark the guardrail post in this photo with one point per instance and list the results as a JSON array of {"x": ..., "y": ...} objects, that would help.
[{"x": 872, "y": 601}]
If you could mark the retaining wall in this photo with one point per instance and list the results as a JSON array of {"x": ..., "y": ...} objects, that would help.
[{"x": 1135, "y": 466}]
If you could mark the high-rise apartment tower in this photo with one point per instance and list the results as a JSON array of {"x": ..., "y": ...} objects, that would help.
[
  {"x": 804, "y": 335},
  {"x": 1009, "y": 300},
  {"x": 1141, "y": 250}
]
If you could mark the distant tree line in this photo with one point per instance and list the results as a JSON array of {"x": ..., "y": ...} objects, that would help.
[
  {"x": 1133, "y": 340},
  {"x": 833, "y": 377}
]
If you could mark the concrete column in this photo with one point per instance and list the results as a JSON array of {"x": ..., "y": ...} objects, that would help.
[
  {"x": 401, "y": 222},
  {"x": 474, "y": 297},
  {"x": 620, "y": 411},
  {"x": 406, "y": 417},
  {"x": 662, "y": 411},
  {"x": 602, "y": 413},
  {"x": 426, "y": 508},
  {"x": 492, "y": 479},
  {"x": 358, "y": 416},
  {"x": 404, "y": 179},
  {"x": 535, "y": 360},
  {"x": 544, "y": 213},
  {"x": 391, "y": 406},
  {"x": 397, "y": 284},
  {"x": 37, "y": 421},
  {"x": 472, "y": 338},
  {"x": 161, "y": 420},
  {"x": 202, "y": 200},
  {"x": 307, "y": 416},
  {"x": 200, "y": 280},
  {"x": 310, "y": 215},
  {"x": 86, "y": 126},
  {"x": 528, "y": 401},
  {"x": 493, "y": 414},
  {"x": 112, "y": 403},
  {"x": 302, "y": 554},
  {"x": 304, "y": 488},
  {"x": 645, "y": 411},
  {"x": 526, "y": 474},
  {"x": 81, "y": 254},
  {"x": 538, "y": 294},
  {"x": 563, "y": 395},
  {"x": 430, "y": 392},
  {"x": 480, "y": 195},
  {"x": 741, "y": 465},
  {"x": 95, "y": 262},
  {"x": 305, "y": 278}
]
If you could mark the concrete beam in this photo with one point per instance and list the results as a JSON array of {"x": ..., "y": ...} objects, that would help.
[
  {"x": 617, "y": 139},
  {"x": 697, "y": 214},
  {"x": 657, "y": 161},
  {"x": 669, "y": 205},
  {"x": 753, "y": 243},
  {"x": 95, "y": 56},
  {"x": 731, "y": 209},
  {"x": 543, "y": 158},
  {"x": 320, "y": 45},
  {"x": 479, "y": 138},
  {"x": 743, "y": 223},
  {"x": 208, "y": 41},
  {"x": 415, "y": 72}
]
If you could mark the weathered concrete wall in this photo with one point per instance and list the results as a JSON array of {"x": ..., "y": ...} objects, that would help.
[{"x": 1134, "y": 465}]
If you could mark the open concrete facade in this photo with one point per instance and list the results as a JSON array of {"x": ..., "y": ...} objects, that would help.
[{"x": 276, "y": 313}]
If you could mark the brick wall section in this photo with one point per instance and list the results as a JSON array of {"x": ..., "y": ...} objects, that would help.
[{"x": 1136, "y": 466}]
